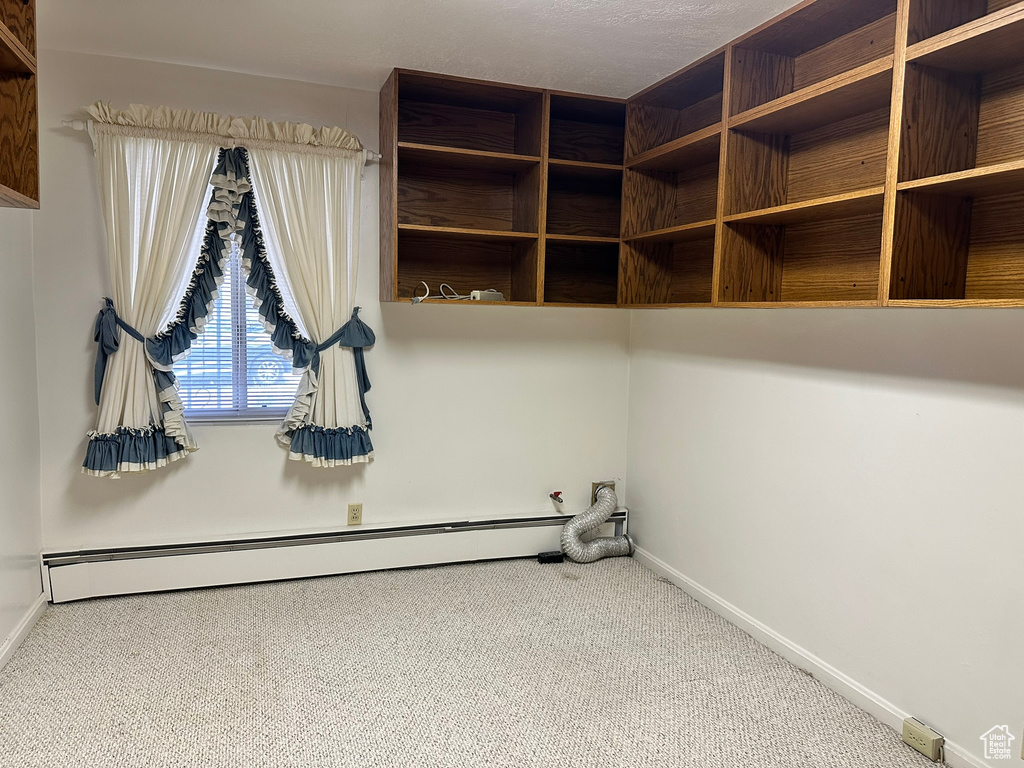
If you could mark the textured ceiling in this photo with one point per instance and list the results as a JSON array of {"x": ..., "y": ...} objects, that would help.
[{"x": 607, "y": 47}]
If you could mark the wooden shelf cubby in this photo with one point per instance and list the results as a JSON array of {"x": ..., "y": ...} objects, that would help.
[
  {"x": 839, "y": 163},
  {"x": 682, "y": 110},
  {"x": 668, "y": 232},
  {"x": 931, "y": 20},
  {"x": 812, "y": 260},
  {"x": 674, "y": 272},
  {"x": 584, "y": 197},
  {"x": 848, "y": 153},
  {"x": 670, "y": 188},
  {"x": 581, "y": 272},
  {"x": 19, "y": 122},
  {"x": 485, "y": 185},
  {"x": 958, "y": 119},
  {"x": 467, "y": 262},
  {"x": 584, "y": 201},
  {"x": 465, "y": 198},
  {"x": 466, "y": 114},
  {"x": 825, "y": 42},
  {"x": 958, "y": 233},
  {"x": 957, "y": 247},
  {"x": 586, "y": 129}
]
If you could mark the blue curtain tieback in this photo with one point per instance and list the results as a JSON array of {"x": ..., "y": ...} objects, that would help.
[
  {"x": 355, "y": 334},
  {"x": 108, "y": 341}
]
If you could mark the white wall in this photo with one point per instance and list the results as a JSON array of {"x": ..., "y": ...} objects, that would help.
[
  {"x": 19, "y": 425},
  {"x": 477, "y": 410},
  {"x": 852, "y": 479}
]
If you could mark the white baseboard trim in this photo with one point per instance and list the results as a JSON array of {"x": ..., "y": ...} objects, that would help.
[
  {"x": 845, "y": 686},
  {"x": 20, "y": 632}
]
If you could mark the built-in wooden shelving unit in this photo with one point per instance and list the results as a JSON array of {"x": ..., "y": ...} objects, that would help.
[
  {"x": 847, "y": 153},
  {"x": 959, "y": 233},
  {"x": 19, "y": 125},
  {"x": 804, "y": 188},
  {"x": 499, "y": 186}
]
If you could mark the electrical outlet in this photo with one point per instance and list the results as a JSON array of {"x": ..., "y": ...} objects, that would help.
[
  {"x": 922, "y": 738},
  {"x": 355, "y": 514},
  {"x": 595, "y": 486}
]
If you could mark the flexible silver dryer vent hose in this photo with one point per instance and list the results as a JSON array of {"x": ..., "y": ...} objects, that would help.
[{"x": 585, "y": 522}]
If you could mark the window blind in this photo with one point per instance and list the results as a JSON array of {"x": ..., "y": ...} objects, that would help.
[{"x": 233, "y": 370}]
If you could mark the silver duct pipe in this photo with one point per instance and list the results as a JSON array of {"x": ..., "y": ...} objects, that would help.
[{"x": 585, "y": 522}]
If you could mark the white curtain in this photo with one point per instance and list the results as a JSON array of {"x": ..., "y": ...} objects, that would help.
[
  {"x": 153, "y": 192},
  {"x": 308, "y": 203}
]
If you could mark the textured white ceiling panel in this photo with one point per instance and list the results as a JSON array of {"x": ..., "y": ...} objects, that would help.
[{"x": 608, "y": 47}]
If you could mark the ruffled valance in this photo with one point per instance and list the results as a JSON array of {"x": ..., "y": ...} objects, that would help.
[{"x": 222, "y": 130}]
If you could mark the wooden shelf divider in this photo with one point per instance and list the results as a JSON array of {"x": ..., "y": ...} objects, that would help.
[
  {"x": 693, "y": 149},
  {"x": 864, "y": 201},
  {"x": 678, "y": 234},
  {"x": 14, "y": 55},
  {"x": 463, "y": 233},
  {"x": 11, "y": 198},
  {"x": 585, "y": 166},
  {"x": 999, "y": 179},
  {"x": 864, "y": 89},
  {"x": 796, "y": 304},
  {"x": 466, "y": 159},
  {"x": 584, "y": 239}
]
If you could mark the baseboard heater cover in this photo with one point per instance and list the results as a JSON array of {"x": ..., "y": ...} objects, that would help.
[{"x": 90, "y": 573}]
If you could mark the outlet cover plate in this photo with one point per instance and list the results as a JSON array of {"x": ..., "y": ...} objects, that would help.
[
  {"x": 355, "y": 514},
  {"x": 922, "y": 738}
]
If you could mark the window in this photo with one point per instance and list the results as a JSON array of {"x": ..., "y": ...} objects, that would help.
[{"x": 233, "y": 371}]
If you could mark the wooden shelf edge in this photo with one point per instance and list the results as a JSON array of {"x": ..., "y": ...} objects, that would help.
[
  {"x": 582, "y": 239},
  {"x": 987, "y": 180},
  {"x": 466, "y": 302},
  {"x": 694, "y": 141},
  {"x": 985, "y": 39},
  {"x": 670, "y": 305},
  {"x": 582, "y": 164},
  {"x": 14, "y": 56},
  {"x": 695, "y": 231},
  {"x": 468, "y": 157},
  {"x": 10, "y": 198},
  {"x": 950, "y": 303},
  {"x": 573, "y": 305},
  {"x": 465, "y": 233},
  {"x": 862, "y": 201},
  {"x": 824, "y": 304},
  {"x": 849, "y": 91}
]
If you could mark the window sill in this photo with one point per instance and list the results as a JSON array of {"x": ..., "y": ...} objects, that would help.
[{"x": 232, "y": 418}]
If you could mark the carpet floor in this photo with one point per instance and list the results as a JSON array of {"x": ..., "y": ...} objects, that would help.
[{"x": 493, "y": 664}]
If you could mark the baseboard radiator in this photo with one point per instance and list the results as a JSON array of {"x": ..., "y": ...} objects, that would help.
[{"x": 89, "y": 573}]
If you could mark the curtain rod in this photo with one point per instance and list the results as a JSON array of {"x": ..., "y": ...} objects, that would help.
[{"x": 82, "y": 125}]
